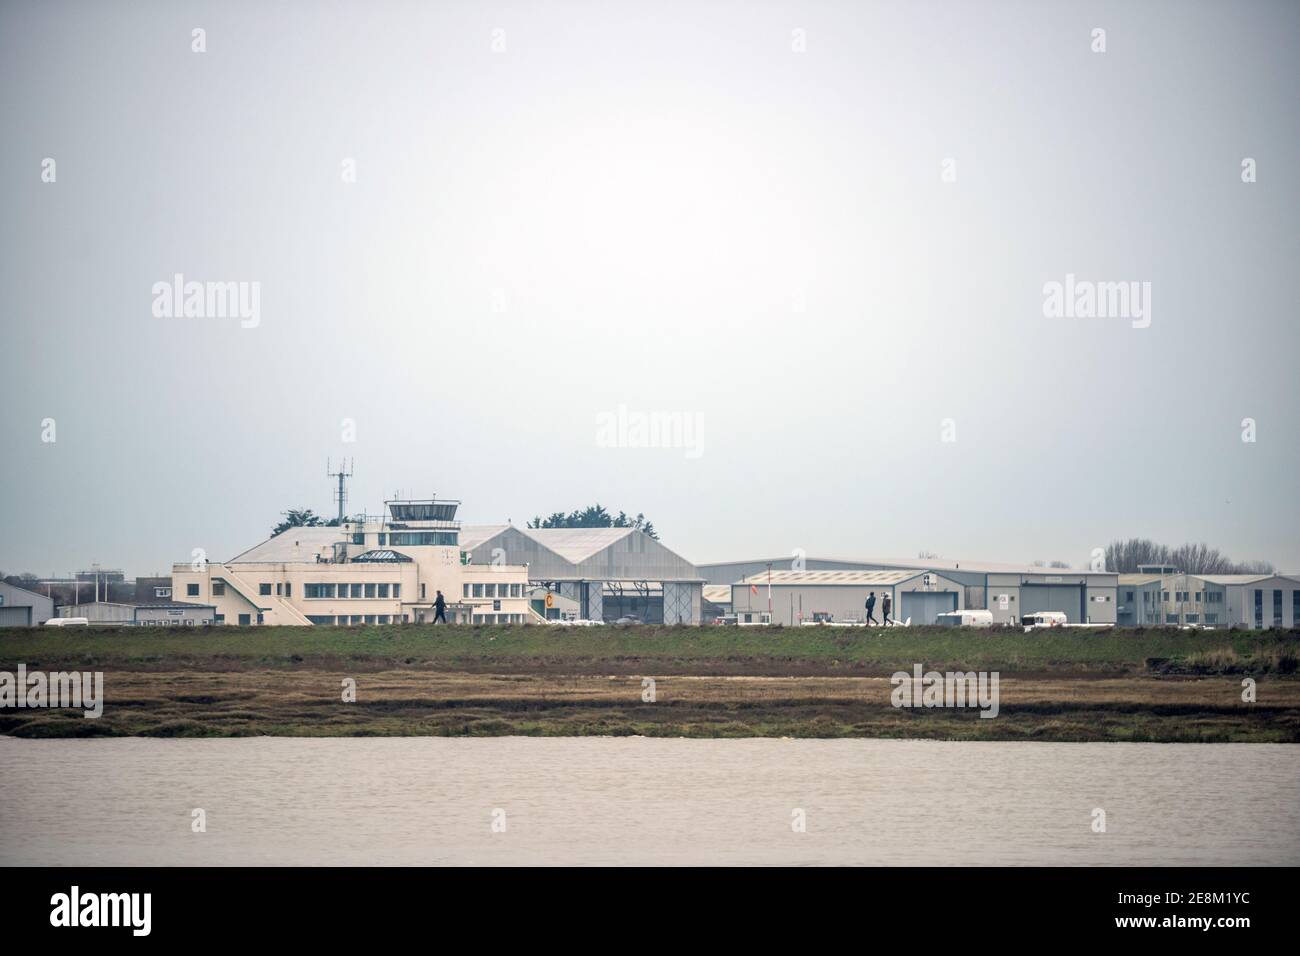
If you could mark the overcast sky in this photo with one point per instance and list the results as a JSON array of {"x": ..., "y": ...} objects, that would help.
[{"x": 565, "y": 208}]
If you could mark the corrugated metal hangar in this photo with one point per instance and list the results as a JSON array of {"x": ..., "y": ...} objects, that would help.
[
  {"x": 1008, "y": 591},
  {"x": 799, "y": 596},
  {"x": 612, "y": 573},
  {"x": 22, "y": 608}
]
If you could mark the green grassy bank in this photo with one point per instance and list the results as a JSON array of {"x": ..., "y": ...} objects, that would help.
[{"x": 682, "y": 650}]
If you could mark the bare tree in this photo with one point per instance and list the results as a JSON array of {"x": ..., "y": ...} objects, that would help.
[{"x": 1125, "y": 555}]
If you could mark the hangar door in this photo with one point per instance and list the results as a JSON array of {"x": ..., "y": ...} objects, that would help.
[
  {"x": 924, "y": 607},
  {"x": 15, "y": 617},
  {"x": 1053, "y": 597}
]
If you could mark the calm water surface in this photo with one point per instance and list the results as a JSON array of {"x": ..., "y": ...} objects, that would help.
[{"x": 637, "y": 800}]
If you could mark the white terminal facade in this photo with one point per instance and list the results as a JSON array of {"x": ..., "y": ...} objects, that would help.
[{"x": 385, "y": 570}]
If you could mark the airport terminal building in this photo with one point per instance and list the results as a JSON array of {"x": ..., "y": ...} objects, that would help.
[
  {"x": 389, "y": 570},
  {"x": 385, "y": 570}
]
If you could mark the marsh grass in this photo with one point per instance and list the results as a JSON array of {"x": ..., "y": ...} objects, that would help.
[{"x": 423, "y": 703}]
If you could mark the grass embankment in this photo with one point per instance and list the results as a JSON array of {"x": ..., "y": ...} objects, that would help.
[
  {"x": 687, "y": 650},
  {"x": 709, "y": 682}
]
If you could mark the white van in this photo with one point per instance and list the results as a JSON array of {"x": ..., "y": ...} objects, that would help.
[
  {"x": 68, "y": 622},
  {"x": 969, "y": 618},
  {"x": 1044, "y": 619}
]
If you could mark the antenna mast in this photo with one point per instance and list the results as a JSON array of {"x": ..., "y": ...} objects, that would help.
[{"x": 344, "y": 473}]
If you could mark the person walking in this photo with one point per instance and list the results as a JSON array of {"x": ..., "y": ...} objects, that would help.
[
  {"x": 871, "y": 608},
  {"x": 439, "y": 609},
  {"x": 886, "y": 605}
]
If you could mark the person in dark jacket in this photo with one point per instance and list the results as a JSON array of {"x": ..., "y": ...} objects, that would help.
[
  {"x": 440, "y": 609},
  {"x": 886, "y": 605},
  {"x": 871, "y": 608}
]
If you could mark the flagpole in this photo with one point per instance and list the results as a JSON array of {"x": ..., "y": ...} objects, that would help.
[{"x": 769, "y": 592}]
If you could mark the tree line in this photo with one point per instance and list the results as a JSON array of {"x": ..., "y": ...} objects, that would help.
[
  {"x": 595, "y": 516},
  {"x": 1124, "y": 555}
]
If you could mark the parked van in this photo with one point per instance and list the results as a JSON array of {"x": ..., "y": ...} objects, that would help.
[
  {"x": 970, "y": 618},
  {"x": 1044, "y": 619},
  {"x": 68, "y": 622}
]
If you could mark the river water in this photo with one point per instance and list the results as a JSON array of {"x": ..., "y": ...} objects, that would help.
[{"x": 592, "y": 800}]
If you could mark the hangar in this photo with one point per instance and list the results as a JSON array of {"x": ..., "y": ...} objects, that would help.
[
  {"x": 798, "y": 596},
  {"x": 611, "y": 573},
  {"x": 1084, "y": 597},
  {"x": 1009, "y": 591},
  {"x": 22, "y": 608}
]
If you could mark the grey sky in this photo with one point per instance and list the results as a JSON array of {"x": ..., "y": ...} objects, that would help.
[{"x": 648, "y": 191}]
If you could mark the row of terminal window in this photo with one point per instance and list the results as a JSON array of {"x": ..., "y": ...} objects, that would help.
[
  {"x": 1182, "y": 597},
  {"x": 493, "y": 591},
  {"x": 444, "y": 539},
  {"x": 265, "y": 589},
  {"x": 345, "y": 619},
  {"x": 352, "y": 591},
  {"x": 1189, "y": 597},
  {"x": 219, "y": 589}
]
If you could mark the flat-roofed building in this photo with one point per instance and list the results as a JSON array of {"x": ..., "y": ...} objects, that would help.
[
  {"x": 155, "y": 589},
  {"x": 100, "y": 612},
  {"x": 175, "y": 615},
  {"x": 1252, "y": 600},
  {"x": 1139, "y": 603}
]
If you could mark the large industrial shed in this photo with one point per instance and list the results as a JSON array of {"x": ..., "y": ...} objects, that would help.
[
  {"x": 1085, "y": 597},
  {"x": 971, "y": 578},
  {"x": 22, "y": 608},
  {"x": 610, "y": 572},
  {"x": 798, "y": 596}
]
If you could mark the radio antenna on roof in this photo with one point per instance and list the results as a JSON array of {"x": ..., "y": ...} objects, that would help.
[{"x": 344, "y": 473}]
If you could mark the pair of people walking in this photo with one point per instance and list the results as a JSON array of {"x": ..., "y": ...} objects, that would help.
[{"x": 886, "y": 606}]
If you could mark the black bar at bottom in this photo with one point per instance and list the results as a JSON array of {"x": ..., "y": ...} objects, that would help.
[{"x": 210, "y": 905}]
